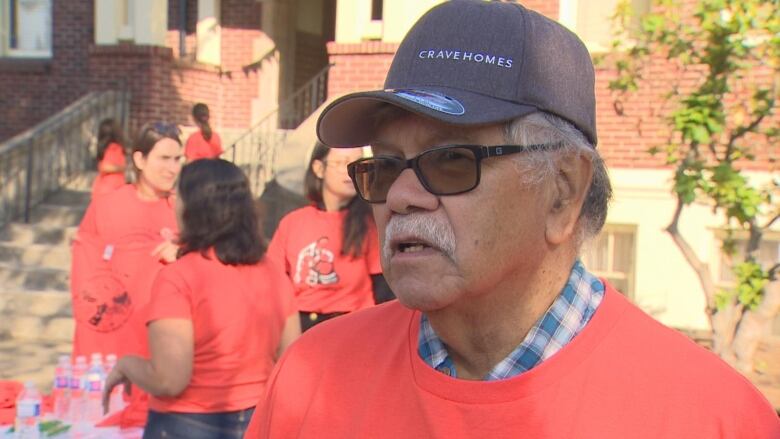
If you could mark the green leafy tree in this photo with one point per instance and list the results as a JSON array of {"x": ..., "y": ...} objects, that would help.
[{"x": 715, "y": 127}]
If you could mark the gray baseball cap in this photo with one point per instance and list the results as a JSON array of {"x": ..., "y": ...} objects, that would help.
[{"x": 472, "y": 62}]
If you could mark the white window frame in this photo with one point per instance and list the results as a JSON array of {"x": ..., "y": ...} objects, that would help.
[
  {"x": 741, "y": 238},
  {"x": 569, "y": 17},
  {"x": 374, "y": 29},
  {"x": 610, "y": 272},
  {"x": 5, "y": 34},
  {"x": 720, "y": 268}
]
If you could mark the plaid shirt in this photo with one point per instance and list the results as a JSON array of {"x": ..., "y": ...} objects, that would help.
[{"x": 565, "y": 318}]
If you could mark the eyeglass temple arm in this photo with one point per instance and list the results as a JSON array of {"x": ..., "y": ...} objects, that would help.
[{"x": 499, "y": 150}]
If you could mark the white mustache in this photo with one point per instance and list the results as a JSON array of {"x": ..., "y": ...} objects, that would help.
[{"x": 439, "y": 234}]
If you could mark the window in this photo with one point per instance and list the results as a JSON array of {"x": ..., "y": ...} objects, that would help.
[
  {"x": 25, "y": 27},
  {"x": 376, "y": 9},
  {"x": 591, "y": 20},
  {"x": 768, "y": 254},
  {"x": 374, "y": 29},
  {"x": 611, "y": 256},
  {"x": 125, "y": 20}
]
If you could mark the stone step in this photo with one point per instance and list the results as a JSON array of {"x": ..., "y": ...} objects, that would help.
[
  {"x": 36, "y": 315},
  {"x": 69, "y": 197},
  {"x": 26, "y": 234},
  {"x": 36, "y": 255},
  {"x": 58, "y": 216},
  {"x": 83, "y": 182},
  {"x": 31, "y": 360},
  {"x": 21, "y": 277}
]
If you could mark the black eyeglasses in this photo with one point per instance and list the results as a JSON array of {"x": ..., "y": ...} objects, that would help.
[{"x": 446, "y": 170}]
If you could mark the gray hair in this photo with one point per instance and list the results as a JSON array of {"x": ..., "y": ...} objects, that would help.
[{"x": 538, "y": 167}]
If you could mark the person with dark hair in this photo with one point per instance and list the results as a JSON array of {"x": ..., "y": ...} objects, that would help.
[
  {"x": 218, "y": 318},
  {"x": 124, "y": 239},
  {"x": 110, "y": 157},
  {"x": 485, "y": 180},
  {"x": 329, "y": 248},
  {"x": 204, "y": 143}
]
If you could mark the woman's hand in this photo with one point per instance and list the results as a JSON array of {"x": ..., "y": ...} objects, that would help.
[
  {"x": 166, "y": 251},
  {"x": 115, "y": 377}
]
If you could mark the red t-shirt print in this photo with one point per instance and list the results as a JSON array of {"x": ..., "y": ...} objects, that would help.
[
  {"x": 112, "y": 270},
  {"x": 316, "y": 264},
  {"x": 307, "y": 244}
]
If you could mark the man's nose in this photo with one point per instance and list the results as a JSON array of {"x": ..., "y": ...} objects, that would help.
[{"x": 407, "y": 194}]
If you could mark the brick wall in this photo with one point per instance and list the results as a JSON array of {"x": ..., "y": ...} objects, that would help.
[
  {"x": 163, "y": 86},
  {"x": 546, "y": 7},
  {"x": 31, "y": 91},
  {"x": 361, "y": 66}
]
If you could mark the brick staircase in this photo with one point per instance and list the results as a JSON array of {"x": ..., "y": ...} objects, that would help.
[{"x": 36, "y": 322}]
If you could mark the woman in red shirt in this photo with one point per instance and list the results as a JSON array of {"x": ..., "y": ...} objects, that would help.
[
  {"x": 110, "y": 157},
  {"x": 219, "y": 316},
  {"x": 330, "y": 248},
  {"x": 122, "y": 241},
  {"x": 204, "y": 143}
]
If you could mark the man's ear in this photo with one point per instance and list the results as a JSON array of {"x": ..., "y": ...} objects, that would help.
[
  {"x": 318, "y": 167},
  {"x": 139, "y": 160},
  {"x": 569, "y": 190}
]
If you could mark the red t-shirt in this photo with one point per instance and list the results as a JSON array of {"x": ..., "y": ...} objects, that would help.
[
  {"x": 238, "y": 315},
  {"x": 308, "y": 245},
  {"x": 114, "y": 155},
  {"x": 112, "y": 270},
  {"x": 624, "y": 376},
  {"x": 197, "y": 147}
]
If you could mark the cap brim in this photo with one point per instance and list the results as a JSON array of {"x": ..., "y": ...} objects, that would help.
[{"x": 352, "y": 120}]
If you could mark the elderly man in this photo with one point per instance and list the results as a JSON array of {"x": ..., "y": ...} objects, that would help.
[{"x": 484, "y": 183}]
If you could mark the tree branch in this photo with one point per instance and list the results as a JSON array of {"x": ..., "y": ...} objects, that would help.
[
  {"x": 739, "y": 132},
  {"x": 754, "y": 240},
  {"x": 713, "y": 151},
  {"x": 772, "y": 221},
  {"x": 702, "y": 270},
  {"x": 773, "y": 271}
]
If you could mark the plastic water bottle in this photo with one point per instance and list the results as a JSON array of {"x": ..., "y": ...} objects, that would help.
[
  {"x": 95, "y": 380},
  {"x": 76, "y": 409},
  {"x": 116, "y": 402},
  {"x": 28, "y": 413},
  {"x": 110, "y": 362},
  {"x": 61, "y": 389}
]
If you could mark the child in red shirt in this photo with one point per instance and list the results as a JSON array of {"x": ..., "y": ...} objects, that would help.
[
  {"x": 219, "y": 316},
  {"x": 204, "y": 143},
  {"x": 110, "y": 157},
  {"x": 330, "y": 249}
]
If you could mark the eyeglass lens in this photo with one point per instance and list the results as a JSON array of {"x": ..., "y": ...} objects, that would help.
[{"x": 442, "y": 171}]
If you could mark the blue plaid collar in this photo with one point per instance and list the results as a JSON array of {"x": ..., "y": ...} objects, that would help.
[{"x": 565, "y": 318}]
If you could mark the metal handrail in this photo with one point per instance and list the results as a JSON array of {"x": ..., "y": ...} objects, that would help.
[
  {"x": 304, "y": 101},
  {"x": 255, "y": 150},
  {"x": 44, "y": 158}
]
